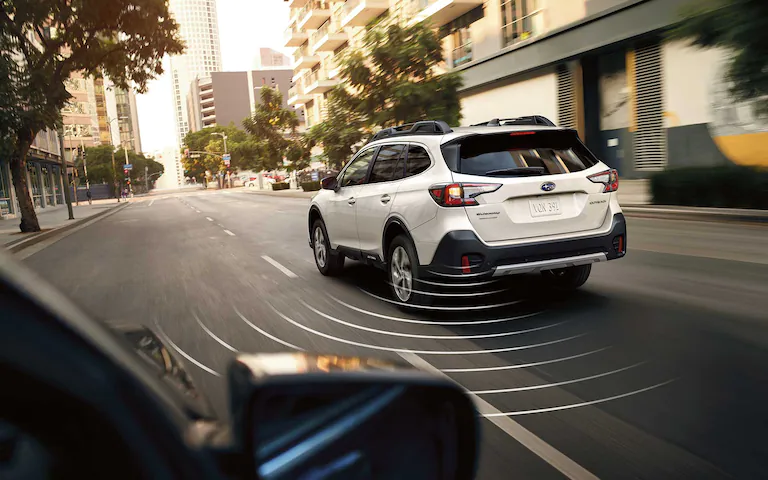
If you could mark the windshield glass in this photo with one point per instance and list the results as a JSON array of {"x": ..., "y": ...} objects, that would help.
[{"x": 520, "y": 153}]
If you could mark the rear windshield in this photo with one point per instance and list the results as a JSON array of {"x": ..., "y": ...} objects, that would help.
[{"x": 519, "y": 153}]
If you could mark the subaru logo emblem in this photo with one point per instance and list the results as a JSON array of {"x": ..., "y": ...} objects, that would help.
[{"x": 548, "y": 186}]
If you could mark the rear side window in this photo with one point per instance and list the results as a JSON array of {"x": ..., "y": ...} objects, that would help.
[
  {"x": 418, "y": 160},
  {"x": 356, "y": 171},
  {"x": 388, "y": 165},
  {"x": 519, "y": 153}
]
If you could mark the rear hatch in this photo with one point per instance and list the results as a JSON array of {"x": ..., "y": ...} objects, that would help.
[{"x": 543, "y": 184}]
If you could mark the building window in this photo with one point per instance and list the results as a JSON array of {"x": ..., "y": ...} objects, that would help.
[
  {"x": 462, "y": 47},
  {"x": 517, "y": 20}
]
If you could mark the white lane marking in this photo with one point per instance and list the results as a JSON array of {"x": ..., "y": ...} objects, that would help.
[
  {"x": 151, "y": 202},
  {"x": 278, "y": 266},
  {"x": 196, "y": 210},
  {"x": 271, "y": 337},
  {"x": 577, "y": 405},
  {"x": 432, "y": 337},
  {"x": 209, "y": 219},
  {"x": 229, "y": 233},
  {"x": 184, "y": 354},
  {"x": 555, "y": 384},
  {"x": 472, "y": 294},
  {"x": 222, "y": 226},
  {"x": 423, "y": 352},
  {"x": 222, "y": 342},
  {"x": 429, "y": 307},
  {"x": 521, "y": 365},
  {"x": 528, "y": 439},
  {"x": 427, "y": 322}
]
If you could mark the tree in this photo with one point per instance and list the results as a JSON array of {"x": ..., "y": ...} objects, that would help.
[
  {"x": 339, "y": 133},
  {"x": 45, "y": 41},
  {"x": 740, "y": 26},
  {"x": 273, "y": 131},
  {"x": 99, "y": 162},
  {"x": 240, "y": 147},
  {"x": 396, "y": 78}
]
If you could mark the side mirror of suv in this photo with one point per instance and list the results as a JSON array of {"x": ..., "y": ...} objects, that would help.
[{"x": 329, "y": 183}]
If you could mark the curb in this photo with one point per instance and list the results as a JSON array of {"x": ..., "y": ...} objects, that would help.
[
  {"x": 18, "y": 246},
  {"x": 697, "y": 213}
]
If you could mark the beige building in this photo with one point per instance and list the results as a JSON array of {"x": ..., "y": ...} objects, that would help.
[{"x": 603, "y": 67}]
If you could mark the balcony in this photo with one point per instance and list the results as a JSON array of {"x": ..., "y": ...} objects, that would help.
[
  {"x": 358, "y": 13},
  {"x": 318, "y": 82},
  {"x": 523, "y": 28},
  {"x": 313, "y": 14},
  {"x": 303, "y": 59},
  {"x": 439, "y": 12},
  {"x": 294, "y": 37},
  {"x": 296, "y": 3},
  {"x": 461, "y": 55},
  {"x": 208, "y": 110},
  {"x": 330, "y": 67},
  {"x": 328, "y": 37},
  {"x": 296, "y": 95}
]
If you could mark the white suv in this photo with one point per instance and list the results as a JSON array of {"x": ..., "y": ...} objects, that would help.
[{"x": 439, "y": 206}]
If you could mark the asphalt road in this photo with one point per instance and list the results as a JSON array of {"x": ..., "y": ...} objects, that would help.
[{"x": 657, "y": 368}]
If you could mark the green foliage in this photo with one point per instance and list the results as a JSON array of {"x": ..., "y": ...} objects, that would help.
[
  {"x": 281, "y": 186},
  {"x": 99, "y": 163},
  {"x": 339, "y": 134},
  {"x": 310, "y": 186},
  {"x": 273, "y": 132},
  {"x": 396, "y": 77},
  {"x": 240, "y": 146},
  {"x": 731, "y": 186},
  {"x": 740, "y": 26}
]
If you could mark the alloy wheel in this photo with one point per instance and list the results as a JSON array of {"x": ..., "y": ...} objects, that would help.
[
  {"x": 321, "y": 253},
  {"x": 402, "y": 276}
]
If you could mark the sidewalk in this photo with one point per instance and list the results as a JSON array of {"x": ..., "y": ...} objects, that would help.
[{"x": 53, "y": 218}]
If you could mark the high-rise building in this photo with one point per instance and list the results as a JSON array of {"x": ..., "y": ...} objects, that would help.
[
  {"x": 230, "y": 97},
  {"x": 199, "y": 28},
  {"x": 269, "y": 59},
  {"x": 123, "y": 115},
  {"x": 603, "y": 67}
]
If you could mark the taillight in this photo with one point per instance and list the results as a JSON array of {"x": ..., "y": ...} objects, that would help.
[
  {"x": 609, "y": 178},
  {"x": 460, "y": 194}
]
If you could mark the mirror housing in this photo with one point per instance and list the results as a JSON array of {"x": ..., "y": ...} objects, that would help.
[
  {"x": 329, "y": 183},
  {"x": 299, "y": 415}
]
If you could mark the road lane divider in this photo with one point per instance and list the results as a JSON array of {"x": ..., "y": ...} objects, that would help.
[
  {"x": 278, "y": 266},
  {"x": 209, "y": 219},
  {"x": 229, "y": 233}
]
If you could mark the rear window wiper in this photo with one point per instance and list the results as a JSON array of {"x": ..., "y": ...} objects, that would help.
[{"x": 521, "y": 171}]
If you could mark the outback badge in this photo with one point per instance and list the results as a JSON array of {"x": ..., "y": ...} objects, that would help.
[{"x": 548, "y": 186}]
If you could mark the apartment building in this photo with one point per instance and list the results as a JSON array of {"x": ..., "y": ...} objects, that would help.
[
  {"x": 603, "y": 67},
  {"x": 229, "y": 97}
]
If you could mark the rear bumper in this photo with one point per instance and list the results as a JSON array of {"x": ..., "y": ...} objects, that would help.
[{"x": 489, "y": 261}]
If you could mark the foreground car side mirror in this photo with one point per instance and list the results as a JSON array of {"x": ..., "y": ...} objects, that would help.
[
  {"x": 300, "y": 416},
  {"x": 329, "y": 183}
]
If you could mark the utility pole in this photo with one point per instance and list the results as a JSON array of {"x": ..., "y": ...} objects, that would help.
[
  {"x": 64, "y": 177},
  {"x": 85, "y": 166}
]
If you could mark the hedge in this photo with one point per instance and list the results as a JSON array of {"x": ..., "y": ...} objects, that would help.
[
  {"x": 727, "y": 186},
  {"x": 310, "y": 186},
  {"x": 281, "y": 186}
]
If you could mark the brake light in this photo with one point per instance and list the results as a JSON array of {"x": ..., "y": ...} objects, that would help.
[
  {"x": 609, "y": 178},
  {"x": 460, "y": 194},
  {"x": 517, "y": 134}
]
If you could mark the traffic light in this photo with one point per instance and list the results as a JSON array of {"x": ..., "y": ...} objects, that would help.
[
  {"x": 125, "y": 171},
  {"x": 84, "y": 153}
]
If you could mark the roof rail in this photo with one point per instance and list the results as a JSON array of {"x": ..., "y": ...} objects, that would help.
[
  {"x": 528, "y": 120},
  {"x": 424, "y": 127}
]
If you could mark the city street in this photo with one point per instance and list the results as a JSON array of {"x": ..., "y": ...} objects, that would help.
[{"x": 657, "y": 368}]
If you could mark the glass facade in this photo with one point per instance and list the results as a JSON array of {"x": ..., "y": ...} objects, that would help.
[
  {"x": 35, "y": 188},
  {"x": 45, "y": 174},
  {"x": 57, "y": 191}
]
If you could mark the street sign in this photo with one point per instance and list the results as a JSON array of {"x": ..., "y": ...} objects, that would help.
[
  {"x": 195, "y": 155},
  {"x": 227, "y": 157},
  {"x": 128, "y": 166},
  {"x": 315, "y": 176}
]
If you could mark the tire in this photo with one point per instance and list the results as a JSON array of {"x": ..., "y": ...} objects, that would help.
[
  {"x": 569, "y": 278},
  {"x": 402, "y": 275},
  {"x": 328, "y": 262}
]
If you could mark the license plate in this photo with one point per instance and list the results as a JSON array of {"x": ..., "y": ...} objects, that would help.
[{"x": 545, "y": 207}]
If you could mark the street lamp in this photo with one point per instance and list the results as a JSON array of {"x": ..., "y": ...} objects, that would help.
[
  {"x": 125, "y": 149},
  {"x": 224, "y": 136}
]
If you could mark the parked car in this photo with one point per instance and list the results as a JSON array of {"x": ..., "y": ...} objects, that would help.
[{"x": 434, "y": 205}]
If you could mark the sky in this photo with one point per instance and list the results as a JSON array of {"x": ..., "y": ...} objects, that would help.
[{"x": 244, "y": 27}]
